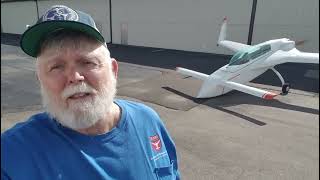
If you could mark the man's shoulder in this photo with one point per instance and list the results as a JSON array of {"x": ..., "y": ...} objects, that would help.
[
  {"x": 21, "y": 141},
  {"x": 30, "y": 125},
  {"x": 138, "y": 110},
  {"x": 134, "y": 106}
]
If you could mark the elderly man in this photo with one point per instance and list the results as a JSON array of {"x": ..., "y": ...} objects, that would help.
[{"x": 85, "y": 133}]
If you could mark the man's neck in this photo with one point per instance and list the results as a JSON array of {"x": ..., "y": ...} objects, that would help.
[{"x": 104, "y": 125}]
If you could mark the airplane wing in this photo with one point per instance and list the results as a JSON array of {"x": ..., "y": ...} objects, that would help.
[
  {"x": 189, "y": 72},
  {"x": 297, "y": 56},
  {"x": 250, "y": 90},
  {"x": 234, "y": 46}
]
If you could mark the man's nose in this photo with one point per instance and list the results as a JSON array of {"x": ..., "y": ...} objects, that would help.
[{"x": 74, "y": 76}]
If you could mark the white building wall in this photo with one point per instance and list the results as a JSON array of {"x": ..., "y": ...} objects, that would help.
[
  {"x": 98, "y": 9},
  {"x": 294, "y": 19},
  {"x": 16, "y": 15},
  {"x": 191, "y": 25}
]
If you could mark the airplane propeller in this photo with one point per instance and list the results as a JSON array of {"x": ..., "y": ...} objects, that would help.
[{"x": 299, "y": 43}]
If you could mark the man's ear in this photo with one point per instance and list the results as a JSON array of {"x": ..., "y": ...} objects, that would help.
[
  {"x": 36, "y": 75},
  {"x": 36, "y": 72},
  {"x": 115, "y": 68}
]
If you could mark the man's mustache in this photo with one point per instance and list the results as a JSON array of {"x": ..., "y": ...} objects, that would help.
[{"x": 79, "y": 88}]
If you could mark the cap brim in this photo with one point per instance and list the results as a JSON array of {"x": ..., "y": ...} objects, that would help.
[{"x": 32, "y": 38}]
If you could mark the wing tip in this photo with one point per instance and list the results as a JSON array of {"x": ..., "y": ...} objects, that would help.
[
  {"x": 225, "y": 18},
  {"x": 269, "y": 96}
]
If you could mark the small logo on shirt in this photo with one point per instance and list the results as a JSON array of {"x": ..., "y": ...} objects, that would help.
[
  {"x": 159, "y": 155},
  {"x": 155, "y": 142}
]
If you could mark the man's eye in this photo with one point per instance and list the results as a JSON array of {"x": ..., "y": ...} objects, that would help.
[
  {"x": 55, "y": 67},
  {"x": 89, "y": 63}
]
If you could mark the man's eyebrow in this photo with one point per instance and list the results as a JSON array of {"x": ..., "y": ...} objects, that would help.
[
  {"x": 88, "y": 57},
  {"x": 51, "y": 60},
  {"x": 91, "y": 57}
]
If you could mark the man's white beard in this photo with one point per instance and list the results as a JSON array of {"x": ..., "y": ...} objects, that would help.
[{"x": 84, "y": 113}]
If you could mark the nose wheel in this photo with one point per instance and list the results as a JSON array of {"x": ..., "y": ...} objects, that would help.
[
  {"x": 285, "y": 89},
  {"x": 285, "y": 86}
]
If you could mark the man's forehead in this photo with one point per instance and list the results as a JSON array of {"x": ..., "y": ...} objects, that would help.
[
  {"x": 70, "y": 52},
  {"x": 70, "y": 40}
]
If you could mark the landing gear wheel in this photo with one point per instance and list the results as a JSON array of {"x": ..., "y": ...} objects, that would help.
[{"x": 285, "y": 88}]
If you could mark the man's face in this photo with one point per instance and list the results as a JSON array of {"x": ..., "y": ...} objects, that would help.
[{"x": 78, "y": 82}]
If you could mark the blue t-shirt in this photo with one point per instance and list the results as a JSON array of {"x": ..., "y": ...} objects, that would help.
[{"x": 139, "y": 147}]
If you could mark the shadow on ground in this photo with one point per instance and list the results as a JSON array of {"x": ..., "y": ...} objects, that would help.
[{"x": 234, "y": 98}]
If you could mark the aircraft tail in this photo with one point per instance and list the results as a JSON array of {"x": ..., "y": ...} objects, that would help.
[{"x": 192, "y": 73}]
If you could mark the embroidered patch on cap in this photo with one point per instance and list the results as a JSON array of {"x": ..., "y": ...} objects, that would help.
[
  {"x": 60, "y": 12},
  {"x": 155, "y": 142}
]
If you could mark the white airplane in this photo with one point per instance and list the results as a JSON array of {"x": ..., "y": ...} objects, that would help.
[{"x": 248, "y": 63}]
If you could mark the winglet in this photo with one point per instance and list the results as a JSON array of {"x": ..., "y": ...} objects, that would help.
[
  {"x": 223, "y": 30},
  {"x": 269, "y": 95},
  {"x": 225, "y": 18}
]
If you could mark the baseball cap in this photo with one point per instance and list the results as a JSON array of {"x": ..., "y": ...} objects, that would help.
[{"x": 58, "y": 17}]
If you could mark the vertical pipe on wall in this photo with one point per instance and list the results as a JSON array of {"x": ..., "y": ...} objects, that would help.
[
  {"x": 110, "y": 21},
  {"x": 253, "y": 14},
  {"x": 37, "y": 9}
]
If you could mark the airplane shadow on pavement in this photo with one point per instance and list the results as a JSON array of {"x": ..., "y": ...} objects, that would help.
[{"x": 234, "y": 98}]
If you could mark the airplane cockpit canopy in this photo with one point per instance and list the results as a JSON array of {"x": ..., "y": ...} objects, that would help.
[{"x": 244, "y": 56}]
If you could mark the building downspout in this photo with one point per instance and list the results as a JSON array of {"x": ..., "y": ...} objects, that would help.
[
  {"x": 253, "y": 14},
  {"x": 37, "y": 10},
  {"x": 110, "y": 16}
]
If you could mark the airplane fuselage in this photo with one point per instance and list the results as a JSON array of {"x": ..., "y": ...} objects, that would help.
[
  {"x": 211, "y": 87},
  {"x": 243, "y": 73}
]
